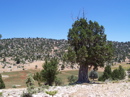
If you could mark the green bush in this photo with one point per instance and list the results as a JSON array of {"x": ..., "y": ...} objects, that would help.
[
  {"x": 72, "y": 79},
  {"x": 52, "y": 93},
  {"x": 117, "y": 74},
  {"x": 26, "y": 95},
  {"x": 1, "y": 94},
  {"x": 2, "y": 85},
  {"x": 106, "y": 74},
  {"x": 14, "y": 86},
  {"x": 58, "y": 82},
  {"x": 62, "y": 67},
  {"x": 93, "y": 74},
  {"x": 122, "y": 73}
]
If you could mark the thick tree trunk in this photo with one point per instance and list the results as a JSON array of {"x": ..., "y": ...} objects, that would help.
[{"x": 83, "y": 74}]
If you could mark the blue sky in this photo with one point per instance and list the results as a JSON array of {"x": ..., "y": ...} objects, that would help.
[{"x": 53, "y": 18}]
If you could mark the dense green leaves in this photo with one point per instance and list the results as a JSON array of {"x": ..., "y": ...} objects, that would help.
[
  {"x": 93, "y": 74},
  {"x": 89, "y": 46},
  {"x": 116, "y": 74},
  {"x": 50, "y": 70},
  {"x": 89, "y": 43},
  {"x": 2, "y": 85}
]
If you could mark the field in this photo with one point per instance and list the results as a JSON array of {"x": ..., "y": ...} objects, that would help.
[{"x": 18, "y": 78}]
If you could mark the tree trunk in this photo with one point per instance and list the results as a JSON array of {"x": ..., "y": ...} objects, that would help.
[{"x": 83, "y": 74}]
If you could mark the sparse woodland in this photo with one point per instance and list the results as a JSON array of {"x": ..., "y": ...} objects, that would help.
[{"x": 30, "y": 49}]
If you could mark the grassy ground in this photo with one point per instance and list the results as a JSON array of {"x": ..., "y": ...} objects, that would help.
[
  {"x": 125, "y": 66},
  {"x": 19, "y": 77}
]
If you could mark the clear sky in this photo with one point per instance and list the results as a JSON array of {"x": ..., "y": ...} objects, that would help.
[{"x": 53, "y": 18}]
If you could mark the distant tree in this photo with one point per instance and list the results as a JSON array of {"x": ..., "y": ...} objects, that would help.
[
  {"x": 4, "y": 60},
  {"x": 36, "y": 66},
  {"x": 93, "y": 74},
  {"x": 62, "y": 67},
  {"x": 2, "y": 85},
  {"x": 17, "y": 60},
  {"x": 50, "y": 70},
  {"x": 0, "y": 36},
  {"x": 88, "y": 47}
]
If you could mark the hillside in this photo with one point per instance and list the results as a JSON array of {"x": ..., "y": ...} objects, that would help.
[
  {"x": 26, "y": 50},
  {"x": 30, "y": 49}
]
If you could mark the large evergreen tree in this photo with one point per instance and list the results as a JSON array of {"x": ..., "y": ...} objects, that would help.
[{"x": 88, "y": 47}]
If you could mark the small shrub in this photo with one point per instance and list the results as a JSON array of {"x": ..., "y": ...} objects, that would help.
[
  {"x": 62, "y": 67},
  {"x": 1, "y": 94},
  {"x": 14, "y": 86},
  {"x": 72, "y": 79},
  {"x": 52, "y": 93},
  {"x": 58, "y": 82},
  {"x": 122, "y": 73},
  {"x": 26, "y": 95},
  {"x": 93, "y": 74}
]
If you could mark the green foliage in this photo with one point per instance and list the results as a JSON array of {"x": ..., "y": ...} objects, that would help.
[
  {"x": 106, "y": 74},
  {"x": 38, "y": 77},
  {"x": 58, "y": 81},
  {"x": 30, "y": 84},
  {"x": 26, "y": 95},
  {"x": 128, "y": 71},
  {"x": 88, "y": 46},
  {"x": 1, "y": 94},
  {"x": 62, "y": 67},
  {"x": 117, "y": 74},
  {"x": 2, "y": 85},
  {"x": 52, "y": 93},
  {"x": 72, "y": 79},
  {"x": 17, "y": 60},
  {"x": 93, "y": 74},
  {"x": 122, "y": 73},
  {"x": 0, "y": 36},
  {"x": 50, "y": 70},
  {"x": 14, "y": 86}
]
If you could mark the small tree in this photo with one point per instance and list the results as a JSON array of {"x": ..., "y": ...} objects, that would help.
[
  {"x": 50, "y": 71},
  {"x": 115, "y": 74},
  {"x": 2, "y": 85},
  {"x": 93, "y": 74},
  {"x": 106, "y": 74},
  {"x": 121, "y": 73},
  {"x": 38, "y": 77},
  {"x": 30, "y": 83}
]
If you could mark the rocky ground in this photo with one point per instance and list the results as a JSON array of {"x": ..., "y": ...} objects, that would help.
[{"x": 111, "y": 89}]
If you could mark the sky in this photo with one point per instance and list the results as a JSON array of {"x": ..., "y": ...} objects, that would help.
[{"x": 54, "y": 18}]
